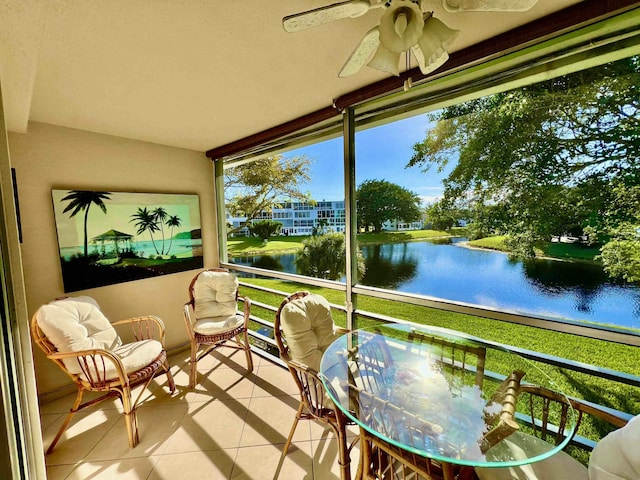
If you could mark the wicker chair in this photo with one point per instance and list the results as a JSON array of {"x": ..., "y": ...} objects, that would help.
[
  {"x": 547, "y": 412},
  {"x": 77, "y": 337},
  {"x": 212, "y": 319},
  {"x": 303, "y": 328}
]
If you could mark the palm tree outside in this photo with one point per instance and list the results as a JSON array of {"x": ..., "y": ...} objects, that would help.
[{"x": 81, "y": 200}]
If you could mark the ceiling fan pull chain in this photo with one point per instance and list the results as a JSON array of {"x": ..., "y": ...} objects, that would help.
[{"x": 408, "y": 83}]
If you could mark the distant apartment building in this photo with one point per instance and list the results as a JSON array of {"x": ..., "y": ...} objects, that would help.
[{"x": 300, "y": 218}]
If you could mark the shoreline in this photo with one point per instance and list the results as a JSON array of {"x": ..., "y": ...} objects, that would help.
[{"x": 540, "y": 257}]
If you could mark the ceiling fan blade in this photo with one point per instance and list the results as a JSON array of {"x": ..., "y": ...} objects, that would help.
[
  {"x": 361, "y": 54},
  {"x": 319, "y": 16},
  {"x": 488, "y": 5}
]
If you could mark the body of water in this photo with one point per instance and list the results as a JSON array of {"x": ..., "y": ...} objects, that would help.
[
  {"x": 447, "y": 270},
  {"x": 179, "y": 248}
]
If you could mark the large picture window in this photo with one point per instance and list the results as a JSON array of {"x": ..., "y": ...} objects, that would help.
[{"x": 528, "y": 199}]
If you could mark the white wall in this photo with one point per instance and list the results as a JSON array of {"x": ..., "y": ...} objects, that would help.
[{"x": 50, "y": 157}]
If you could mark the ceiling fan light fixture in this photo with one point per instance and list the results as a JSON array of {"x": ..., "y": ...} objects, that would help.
[
  {"x": 432, "y": 63},
  {"x": 433, "y": 44},
  {"x": 401, "y": 25},
  {"x": 386, "y": 60}
]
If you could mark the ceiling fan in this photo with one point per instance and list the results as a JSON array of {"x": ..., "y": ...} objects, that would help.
[{"x": 406, "y": 26}]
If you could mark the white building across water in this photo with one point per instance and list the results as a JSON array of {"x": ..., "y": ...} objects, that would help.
[{"x": 301, "y": 218}]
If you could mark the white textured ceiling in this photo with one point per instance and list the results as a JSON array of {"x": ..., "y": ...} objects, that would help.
[{"x": 195, "y": 74}]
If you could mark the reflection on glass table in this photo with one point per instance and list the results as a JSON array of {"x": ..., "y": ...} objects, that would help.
[{"x": 425, "y": 400}]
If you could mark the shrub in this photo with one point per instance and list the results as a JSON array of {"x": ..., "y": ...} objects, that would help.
[{"x": 324, "y": 256}]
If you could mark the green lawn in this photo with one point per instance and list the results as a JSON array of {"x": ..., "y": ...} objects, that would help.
[
  {"x": 566, "y": 251},
  {"x": 238, "y": 246}
]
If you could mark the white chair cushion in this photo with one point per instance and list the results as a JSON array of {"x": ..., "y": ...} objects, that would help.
[
  {"x": 308, "y": 328},
  {"x": 217, "y": 325},
  {"x": 617, "y": 455},
  {"x": 215, "y": 294},
  {"x": 559, "y": 466},
  {"x": 133, "y": 356},
  {"x": 75, "y": 324}
]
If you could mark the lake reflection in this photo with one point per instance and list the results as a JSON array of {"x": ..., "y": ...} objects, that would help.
[{"x": 450, "y": 271}]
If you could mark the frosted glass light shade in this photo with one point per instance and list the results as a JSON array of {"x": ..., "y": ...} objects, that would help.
[
  {"x": 434, "y": 63},
  {"x": 432, "y": 46},
  {"x": 386, "y": 60},
  {"x": 401, "y": 25}
]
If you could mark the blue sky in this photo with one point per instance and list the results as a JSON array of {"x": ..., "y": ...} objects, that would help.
[{"x": 381, "y": 154}]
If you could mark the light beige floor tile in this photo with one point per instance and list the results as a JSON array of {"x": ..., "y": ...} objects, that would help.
[
  {"x": 274, "y": 380},
  {"x": 156, "y": 425},
  {"x": 64, "y": 404},
  {"x": 214, "y": 465},
  {"x": 125, "y": 469},
  {"x": 325, "y": 459},
  {"x": 210, "y": 425},
  {"x": 59, "y": 472},
  {"x": 269, "y": 422},
  {"x": 47, "y": 419},
  {"x": 85, "y": 430},
  {"x": 261, "y": 463}
]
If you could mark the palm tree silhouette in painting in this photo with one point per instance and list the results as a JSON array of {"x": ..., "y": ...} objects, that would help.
[
  {"x": 146, "y": 222},
  {"x": 160, "y": 215},
  {"x": 81, "y": 201},
  {"x": 173, "y": 221}
]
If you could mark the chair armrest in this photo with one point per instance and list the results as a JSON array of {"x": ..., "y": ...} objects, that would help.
[
  {"x": 93, "y": 364},
  {"x": 145, "y": 327}
]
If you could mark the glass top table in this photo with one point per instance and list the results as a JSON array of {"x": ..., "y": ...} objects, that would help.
[{"x": 428, "y": 391}]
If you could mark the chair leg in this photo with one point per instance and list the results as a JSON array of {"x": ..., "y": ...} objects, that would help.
[
  {"x": 344, "y": 459},
  {"x": 172, "y": 383},
  {"x": 247, "y": 351},
  {"x": 130, "y": 417},
  {"x": 293, "y": 429},
  {"x": 193, "y": 373},
  {"x": 67, "y": 420}
]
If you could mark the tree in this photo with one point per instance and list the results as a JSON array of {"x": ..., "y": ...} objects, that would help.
[
  {"x": 173, "y": 221},
  {"x": 81, "y": 200},
  {"x": 265, "y": 228},
  {"x": 146, "y": 222},
  {"x": 258, "y": 186},
  {"x": 379, "y": 201},
  {"x": 160, "y": 215},
  {"x": 546, "y": 157},
  {"x": 324, "y": 256}
]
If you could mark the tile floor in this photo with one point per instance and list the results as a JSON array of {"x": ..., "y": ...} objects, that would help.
[{"x": 233, "y": 425}]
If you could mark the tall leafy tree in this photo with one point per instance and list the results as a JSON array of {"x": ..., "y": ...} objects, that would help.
[
  {"x": 546, "y": 157},
  {"x": 81, "y": 201},
  {"x": 258, "y": 186},
  {"x": 380, "y": 200}
]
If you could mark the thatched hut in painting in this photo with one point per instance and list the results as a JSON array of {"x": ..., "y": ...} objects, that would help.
[{"x": 121, "y": 241}]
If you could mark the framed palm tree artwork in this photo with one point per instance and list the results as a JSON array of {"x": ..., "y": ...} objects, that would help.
[{"x": 112, "y": 237}]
